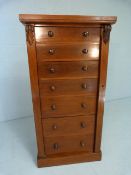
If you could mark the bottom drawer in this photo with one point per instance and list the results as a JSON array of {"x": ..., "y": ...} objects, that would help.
[{"x": 66, "y": 144}]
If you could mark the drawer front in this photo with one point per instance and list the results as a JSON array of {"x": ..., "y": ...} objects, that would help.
[
  {"x": 67, "y": 106},
  {"x": 76, "y": 51},
  {"x": 66, "y": 34},
  {"x": 68, "y": 144},
  {"x": 68, "y": 69},
  {"x": 69, "y": 125},
  {"x": 68, "y": 87}
]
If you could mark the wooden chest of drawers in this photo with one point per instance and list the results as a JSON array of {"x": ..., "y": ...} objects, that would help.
[{"x": 68, "y": 64}]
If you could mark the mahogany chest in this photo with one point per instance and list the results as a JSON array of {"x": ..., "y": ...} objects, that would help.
[{"x": 68, "y": 63}]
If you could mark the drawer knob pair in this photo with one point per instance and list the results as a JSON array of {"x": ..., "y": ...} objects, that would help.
[
  {"x": 50, "y": 34},
  {"x": 52, "y": 51},
  {"x": 85, "y": 34},
  {"x": 84, "y": 68},
  {"x": 83, "y": 105},
  {"x": 56, "y": 145}
]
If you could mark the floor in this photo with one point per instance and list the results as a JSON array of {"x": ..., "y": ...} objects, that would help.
[{"x": 18, "y": 146}]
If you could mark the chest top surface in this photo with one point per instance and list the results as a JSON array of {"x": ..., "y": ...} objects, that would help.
[{"x": 38, "y": 18}]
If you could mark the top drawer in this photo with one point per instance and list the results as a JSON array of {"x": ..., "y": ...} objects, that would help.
[{"x": 69, "y": 34}]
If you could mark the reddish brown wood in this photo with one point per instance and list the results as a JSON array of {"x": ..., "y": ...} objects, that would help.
[
  {"x": 66, "y": 144},
  {"x": 68, "y": 69},
  {"x": 68, "y": 51},
  {"x": 68, "y": 126},
  {"x": 74, "y": 19},
  {"x": 69, "y": 87},
  {"x": 102, "y": 87},
  {"x": 68, "y": 106},
  {"x": 35, "y": 88},
  {"x": 66, "y": 34},
  {"x": 68, "y": 64},
  {"x": 68, "y": 159}
]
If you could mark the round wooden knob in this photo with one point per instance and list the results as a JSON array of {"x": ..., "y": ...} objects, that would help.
[
  {"x": 85, "y": 34},
  {"x": 51, "y": 51},
  {"x": 53, "y": 107},
  {"x": 83, "y": 105},
  {"x": 82, "y": 143},
  {"x": 84, "y": 86},
  {"x": 56, "y": 146},
  {"x": 52, "y": 88},
  {"x": 85, "y": 51},
  {"x": 83, "y": 125},
  {"x": 54, "y": 127},
  {"x": 52, "y": 70},
  {"x": 50, "y": 34},
  {"x": 84, "y": 68}
]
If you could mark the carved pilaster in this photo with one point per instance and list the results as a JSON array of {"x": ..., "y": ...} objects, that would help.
[
  {"x": 106, "y": 33},
  {"x": 30, "y": 36}
]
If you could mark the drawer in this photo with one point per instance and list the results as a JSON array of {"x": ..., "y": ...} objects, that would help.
[
  {"x": 67, "y": 106},
  {"x": 69, "y": 51},
  {"x": 68, "y": 144},
  {"x": 68, "y": 125},
  {"x": 68, "y": 69},
  {"x": 68, "y": 87},
  {"x": 66, "y": 34}
]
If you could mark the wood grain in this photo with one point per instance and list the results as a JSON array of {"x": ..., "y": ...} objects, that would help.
[
  {"x": 70, "y": 51},
  {"x": 68, "y": 87},
  {"x": 74, "y": 19},
  {"x": 35, "y": 93},
  {"x": 67, "y": 34},
  {"x": 68, "y": 106},
  {"x": 67, "y": 69},
  {"x": 68, "y": 56},
  {"x": 69, "y": 126},
  {"x": 68, "y": 159},
  {"x": 101, "y": 94},
  {"x": 68, "y": 144}
]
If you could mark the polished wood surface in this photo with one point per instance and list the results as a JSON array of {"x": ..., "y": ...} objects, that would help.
[
  {"x": 65, "y": 144},
  {"x": 71, "y": 51},
  {"x": 64, "y": 159},
  {"x": 68, "y": 106},
  {"x": 68, "y": 69},
  {"x": 68, "y": 86},
  {"x": 101, "y": 95},
  {"x": 68, "y": 58},
  {"x": 69, "y": 126},
  {"x": 73, "y": 19},
  {"x": 35, "y": 92},
  {"x": 66, "y": 34}
]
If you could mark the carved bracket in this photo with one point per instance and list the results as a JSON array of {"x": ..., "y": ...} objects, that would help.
[
  {"x": 30, "y": 35},
  {"x": 106, "y": 33}
]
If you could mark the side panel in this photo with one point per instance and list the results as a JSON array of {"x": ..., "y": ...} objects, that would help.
[
  {"x": 105, "y": 32},
  {"x": 30, "y": 37}
]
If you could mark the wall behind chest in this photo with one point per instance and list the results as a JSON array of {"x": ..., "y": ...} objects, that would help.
[{"x": 15, "y": 95}]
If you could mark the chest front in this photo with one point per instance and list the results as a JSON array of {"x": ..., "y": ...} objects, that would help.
[{"x": 68, "y": 65}]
